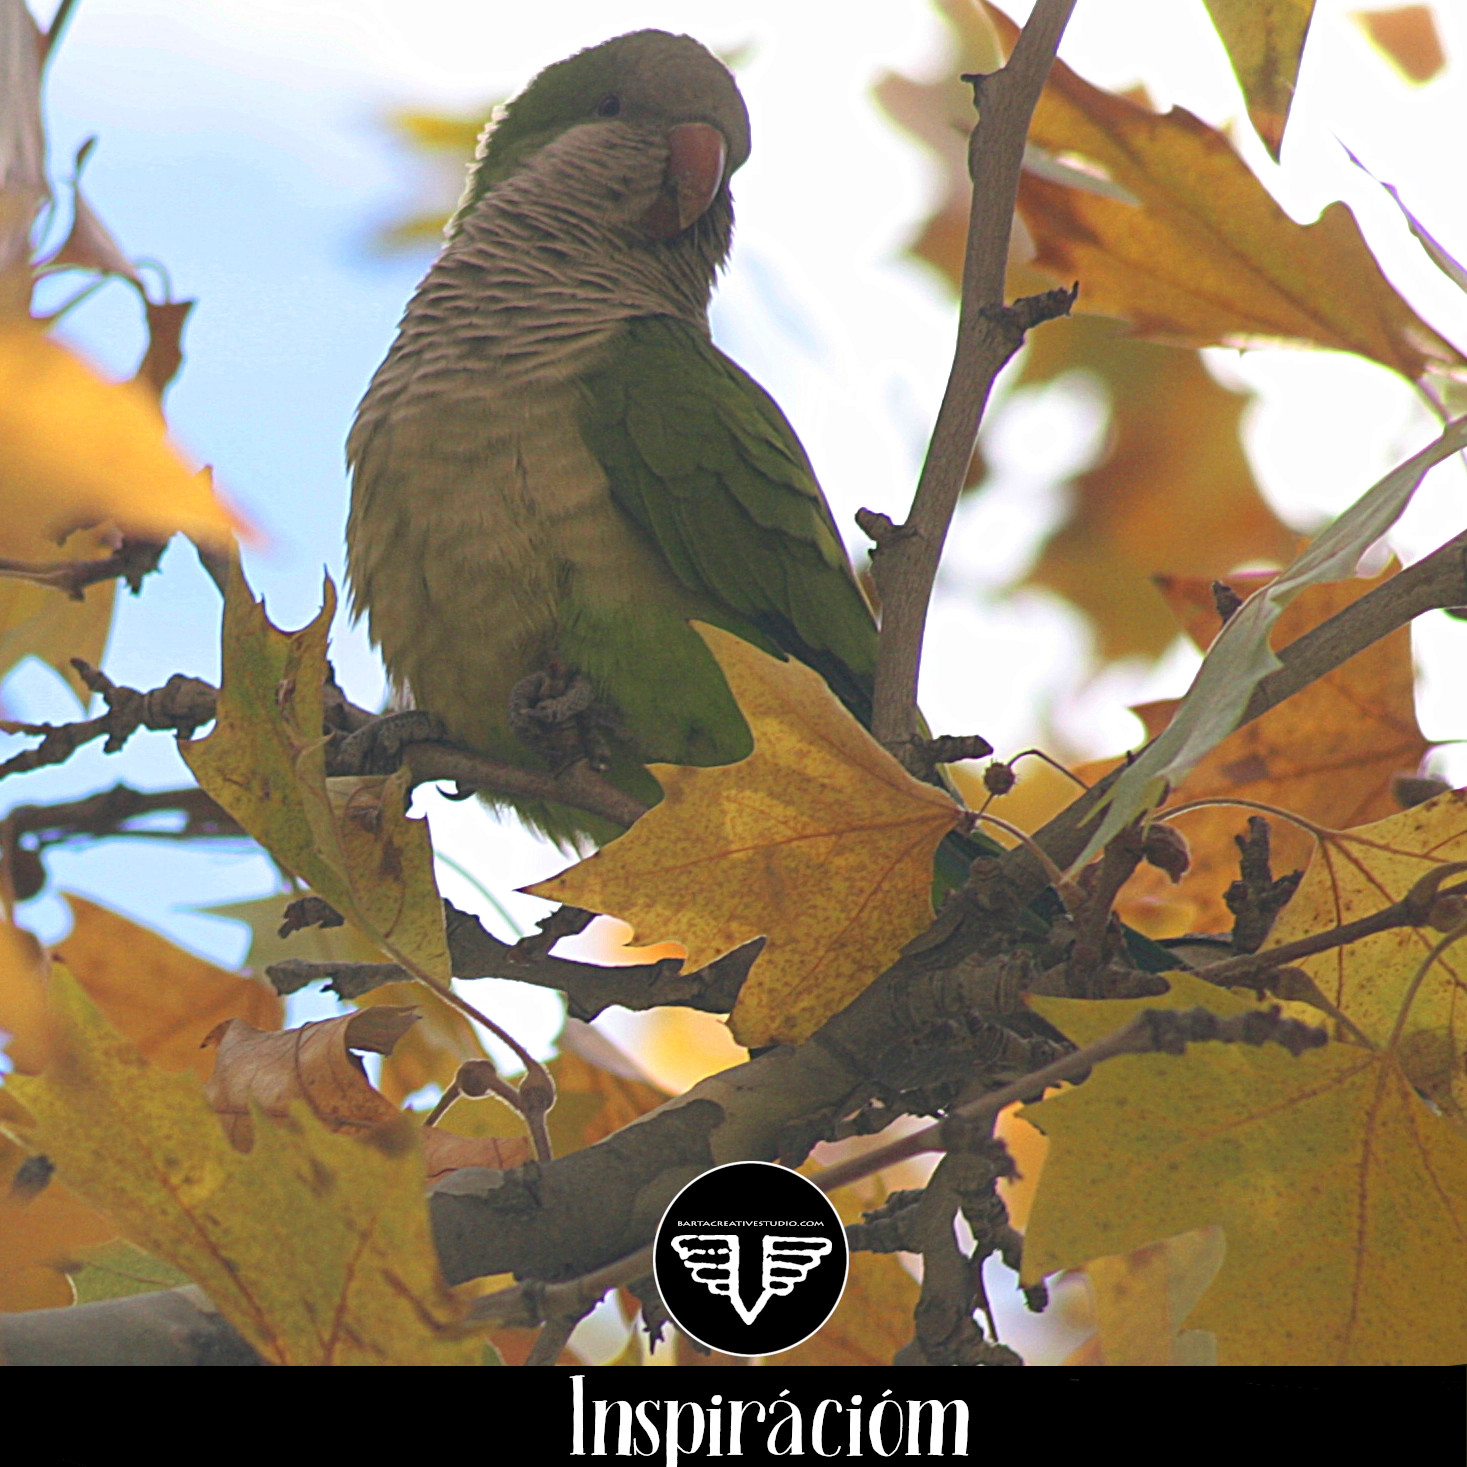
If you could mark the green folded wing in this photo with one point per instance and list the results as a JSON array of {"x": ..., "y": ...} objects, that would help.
[{"x": 702, "y": 459}]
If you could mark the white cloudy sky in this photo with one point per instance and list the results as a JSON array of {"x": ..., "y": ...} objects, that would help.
[{"x": 242, "y": 144}]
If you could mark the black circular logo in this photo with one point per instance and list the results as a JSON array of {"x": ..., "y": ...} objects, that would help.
[{"x": 750, "y": 1258}]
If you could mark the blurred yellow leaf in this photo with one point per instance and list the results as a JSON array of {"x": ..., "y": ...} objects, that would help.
[
  {"x": 43, "y": 1228},
  {"x": 1356, "y": 872},
  {"x": 265, "y": 762},
  {"x": 47, "y": 624},
  {"x": 161, "y": 998},
  {"x": 1343, "y": 1197},
  {"x": 1264, "y": 40},
  {"x": 1328, "y": 754},
  {"x": 1204, "y": 256},
  {"x": 1173, "y": 490},
  {"x": 874, "y": 1318},
  {"x": 76, "y": 449},
  {"x": 1141, "y": 1299},
  {"x": 598, "y": 1090},
  {"x": 25, "y": 1014},
  {"x": 1408, "y": 36},
  {"x": 940, "y": 113},
  {"x": 819, "y": 841},
  {"x": 314, "y": 1246}
]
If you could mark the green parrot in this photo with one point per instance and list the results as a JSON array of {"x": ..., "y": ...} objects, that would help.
[{"x": 555, "y": 469}]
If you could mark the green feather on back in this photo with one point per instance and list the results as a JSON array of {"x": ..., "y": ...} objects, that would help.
[{"x": 702, "y": 459}]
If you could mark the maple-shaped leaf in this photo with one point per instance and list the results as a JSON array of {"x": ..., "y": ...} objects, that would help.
[
  {"x": 265, "y": 762},
  {"x": 1200, "y": 254},
  {"x": 1328, "y": 754},
  {"x": 819, "y": 841},
  {"x": 1172, "y": 491},
  {"x": 1342, "y": 1196},
  {"x": 315, "y": 1246},
  {"x": 1357, "y": 872},
  {"x": 76, "y": 449},
  {"x": 161, "y": 998},
  {"x": 118, "y": 1270},
  {"x": 1264, "y": 40},
  {"x": 1142, "y": 1298}
]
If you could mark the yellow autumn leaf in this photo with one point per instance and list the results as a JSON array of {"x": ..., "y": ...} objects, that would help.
[
  {"x": 1142, "y": 1298},
  {"x": 315, "y": 1246},
  {"x": 1172, "y": 491},
  {"x": 1264, "y": 40},
  {"x": 348, "y": 839},
  {"x": 44, "y": 1226},
  {"x": 1357, "y": 872},
  {"x": 1342, "y": 1195},
  {"x": 161, "y": 998},
  {"x": 76, "y": 449},
  {"x": 819, "y": 841},
  {"x": 25, "y": 1014},
  {"x": 1200, "y": 254},
  {"x": 47, "y": 624}
]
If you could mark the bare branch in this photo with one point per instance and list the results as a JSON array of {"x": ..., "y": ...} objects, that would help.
[
  {"x": 130, "y": 562},
  {"x": 906, "y": 557},
  {"x": 1153, "y": 1031},
  {"x": 1434, "y": 583},
  {"x": 589, "y": 988}
]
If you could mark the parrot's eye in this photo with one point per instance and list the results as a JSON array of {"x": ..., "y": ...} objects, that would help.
[{"x": 609, "y": 105}]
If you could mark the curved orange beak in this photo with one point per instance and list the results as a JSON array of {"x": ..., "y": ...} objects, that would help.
[{"x": 696, "y": 153}]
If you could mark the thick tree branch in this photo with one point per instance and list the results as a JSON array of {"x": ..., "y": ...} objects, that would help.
[{"x": 906, "y": 557}]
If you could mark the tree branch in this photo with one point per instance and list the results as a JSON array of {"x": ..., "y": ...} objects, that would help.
[
  {"x": 130, "y": 562},
  {"x": 589, "y": 988},
  {"x": 906, "y": 557},
  {"x": 1435, "y": 582}
]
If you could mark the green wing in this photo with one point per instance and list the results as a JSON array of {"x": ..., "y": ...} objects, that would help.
[{"x": 702, "y": 459}]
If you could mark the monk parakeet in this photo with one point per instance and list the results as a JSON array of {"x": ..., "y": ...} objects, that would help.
[{"x": 555, "y": 468}]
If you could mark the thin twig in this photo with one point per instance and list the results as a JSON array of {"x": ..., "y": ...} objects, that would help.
[
  {"x": 1153, "y": 1030},
  {"x": 1435, "y": 582},
  {"x": 1413, "y": 910},
  {"x": 590, "y": 988},
  {"x": 130, "y": 562},
  {"x": 905, "y": 560}
]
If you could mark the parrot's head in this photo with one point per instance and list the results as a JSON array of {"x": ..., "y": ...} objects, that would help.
[{"x": 641, "y": 133}]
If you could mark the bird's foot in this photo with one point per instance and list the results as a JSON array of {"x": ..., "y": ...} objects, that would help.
[
  {"x": 556, "y": 713},
  {"x": 376, "y": 748}
]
